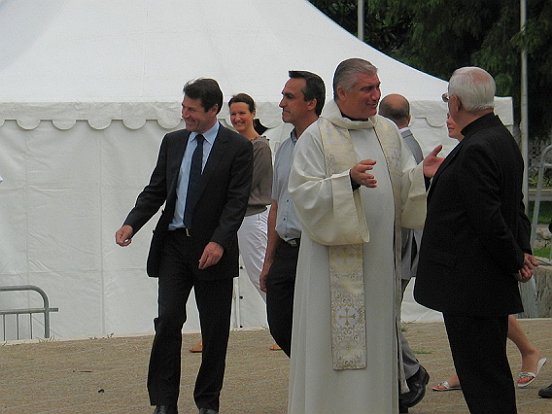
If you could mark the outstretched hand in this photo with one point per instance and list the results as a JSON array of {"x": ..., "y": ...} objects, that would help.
[
  {"x": 360, "y": 174},
  {"x": 432, "y": 162}
]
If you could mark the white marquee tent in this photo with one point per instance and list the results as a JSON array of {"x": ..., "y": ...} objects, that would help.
[{"x": 87, "y": 90}]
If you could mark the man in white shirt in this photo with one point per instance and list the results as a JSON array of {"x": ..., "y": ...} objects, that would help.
[{"x": 302, "y": 102}]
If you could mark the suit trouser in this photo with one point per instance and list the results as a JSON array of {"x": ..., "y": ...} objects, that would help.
[
  {"x": 280, "y": 287},
  {"x": 214, "y": 303},
  {"x": 478, "y": 346},
  {"x": 252, "y": 242},
  {"x": 411, "y": 365}
]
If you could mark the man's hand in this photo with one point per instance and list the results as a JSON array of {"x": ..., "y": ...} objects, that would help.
[
  {"x": 530, "y": 263},
  {"x": 123, "y": 236},
  {"x": 263, "y": 276},
  {"x": 432, "y": 162},
  {"x": 359, "y": 174},
  {"x": 211, "y": 255}
]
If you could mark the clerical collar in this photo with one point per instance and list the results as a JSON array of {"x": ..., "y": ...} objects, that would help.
[{"x": 353, "y": 119}]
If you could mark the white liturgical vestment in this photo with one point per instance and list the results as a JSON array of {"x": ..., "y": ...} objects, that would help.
[{"x": 334, "y": 216}]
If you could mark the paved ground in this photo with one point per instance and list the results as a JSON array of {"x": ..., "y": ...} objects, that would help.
[{"x": 107, "y": 375}]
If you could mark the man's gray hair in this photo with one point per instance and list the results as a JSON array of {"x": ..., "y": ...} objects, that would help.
[
  {"x": 346, "y": 71},
  {"x": 474, "y": 87}
]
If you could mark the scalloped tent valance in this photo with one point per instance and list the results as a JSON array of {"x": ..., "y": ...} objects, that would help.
[
  {"x": 99, "y": 115},
  {"x": 64, "y": 115}
]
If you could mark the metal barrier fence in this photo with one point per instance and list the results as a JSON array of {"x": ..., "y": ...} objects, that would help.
[{"x": 45, "y": 310}]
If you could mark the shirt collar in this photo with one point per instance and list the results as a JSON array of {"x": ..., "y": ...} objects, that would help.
[
  {"x": 209, "y": 135},
  {"x": 489, "y": 119},
  {"x": 293, "y": 135}
]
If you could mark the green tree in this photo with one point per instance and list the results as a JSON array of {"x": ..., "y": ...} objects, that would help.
[{"x": 438, "y": 36}]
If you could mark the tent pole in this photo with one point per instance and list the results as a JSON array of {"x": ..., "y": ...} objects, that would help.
[
  {"x": 528, "y": 290},
  {"x": 524, "y": 112},
  {"x": 360, "y": 20}
]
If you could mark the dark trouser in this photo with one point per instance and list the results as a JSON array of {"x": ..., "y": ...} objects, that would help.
[
  {"x": 478, "y": 346},
  {"x": 214, "y": 303},
  {"x": 280, "y": 285},
  {"x": 411, "y": 365}
]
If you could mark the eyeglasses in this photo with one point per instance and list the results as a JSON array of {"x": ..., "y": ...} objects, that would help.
[{"x": 445, "y": 97}]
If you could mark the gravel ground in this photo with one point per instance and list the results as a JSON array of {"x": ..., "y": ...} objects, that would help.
[{"x": 108, "y": 375}]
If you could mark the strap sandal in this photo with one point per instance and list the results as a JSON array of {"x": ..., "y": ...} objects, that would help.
[
  {"x": 445, "y": 386},
  {"x": 527, "y": 377}
]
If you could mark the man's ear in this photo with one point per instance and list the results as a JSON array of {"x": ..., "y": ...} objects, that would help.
[
  {"x": 456, "y": 102},
  {"x": 214, "y": 109},
  {"x": 311, "y": 105},
  {"x": 340, "y": 92},
  {"x": 459, "y": 103}
]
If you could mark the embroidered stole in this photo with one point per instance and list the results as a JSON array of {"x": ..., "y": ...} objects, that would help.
[{"x": 348, "y": 310}]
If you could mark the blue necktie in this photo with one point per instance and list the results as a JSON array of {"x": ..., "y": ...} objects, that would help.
[{"x": 193, "y": 183}]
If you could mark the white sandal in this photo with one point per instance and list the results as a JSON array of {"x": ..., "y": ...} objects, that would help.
[
  {"x": 445, "y": 386},
  {"x": 527, "y": 377}
]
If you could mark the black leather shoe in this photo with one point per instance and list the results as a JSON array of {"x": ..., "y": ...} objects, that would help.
[
  {"x": 207, "y": 411},
  {"x": 546, "y": 392},
  {"x": 165, "y": 409},
  {"x": 403, "y": 409},
  {"x": 417, "y": 385}
]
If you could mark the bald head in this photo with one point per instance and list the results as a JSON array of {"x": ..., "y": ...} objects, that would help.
[{"x": 396, "y": 108}]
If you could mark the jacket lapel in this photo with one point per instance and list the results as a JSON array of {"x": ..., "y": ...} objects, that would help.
[
  {"x": 445, "y": 164},
  {"x": 173, "y": 170},
  {"x": 176, "y": 163},
  {"x": 215, "y": 158}
]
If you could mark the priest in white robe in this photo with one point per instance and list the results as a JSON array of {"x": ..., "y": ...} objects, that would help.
[{"x": 354, "y": 184}]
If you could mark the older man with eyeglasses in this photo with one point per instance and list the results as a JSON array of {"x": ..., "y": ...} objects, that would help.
[{"x": 475, "y": 247}]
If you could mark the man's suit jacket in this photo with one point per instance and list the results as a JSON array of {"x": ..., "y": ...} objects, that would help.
[
  {"x": 476, "y": 231},
  {"x": 224, "y": 192},
  {"x": 409, "y": 237}
]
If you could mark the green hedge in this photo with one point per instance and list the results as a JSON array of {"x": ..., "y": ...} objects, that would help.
[{"x": 545, "y": 211}]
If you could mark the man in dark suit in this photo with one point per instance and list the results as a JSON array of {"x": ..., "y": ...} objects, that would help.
[
  {"x": 397, "y": 108},
  {"x": 203, "y": 175},
  {"x": 475, "y": 245}
]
